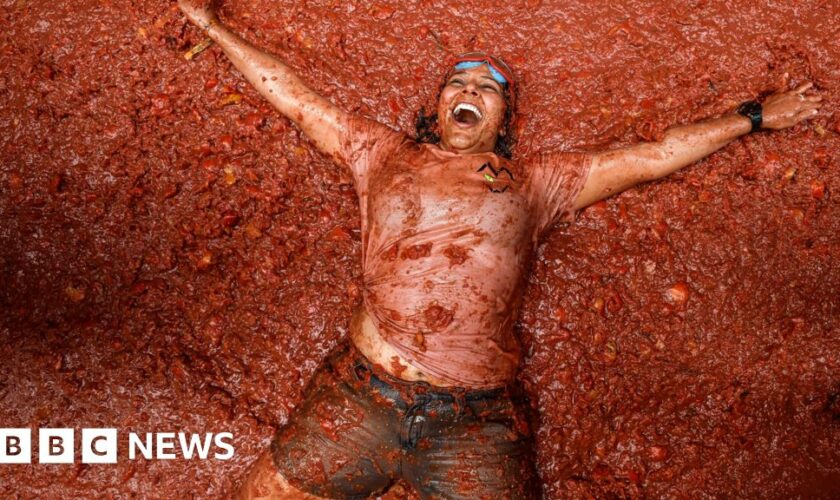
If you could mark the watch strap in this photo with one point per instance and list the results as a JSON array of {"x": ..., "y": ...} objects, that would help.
[{"x": 752, "y": 110}]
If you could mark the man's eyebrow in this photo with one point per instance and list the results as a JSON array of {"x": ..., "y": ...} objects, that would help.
[{"x": 486, "y": 77}]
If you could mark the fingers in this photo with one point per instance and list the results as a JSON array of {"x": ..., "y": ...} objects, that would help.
[
  {"x": 809, "y": 98},
  {"x": 808, "y": 106},
  {"x": 805, "y": 115}
]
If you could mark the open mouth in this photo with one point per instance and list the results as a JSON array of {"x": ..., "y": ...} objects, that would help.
[{"x": 466, "y": 114}]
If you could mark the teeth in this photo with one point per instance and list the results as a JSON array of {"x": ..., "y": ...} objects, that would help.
[{"x": 468, "y": 107}]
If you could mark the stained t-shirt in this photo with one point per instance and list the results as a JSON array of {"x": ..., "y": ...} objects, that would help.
[{"x": 446, "y": 243}]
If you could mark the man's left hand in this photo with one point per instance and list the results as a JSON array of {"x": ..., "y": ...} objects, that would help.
[{"x": 786, "y": 109}]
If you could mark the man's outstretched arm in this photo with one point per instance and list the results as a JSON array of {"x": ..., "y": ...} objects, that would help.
[
  {"x": 314, "y": 115},
  {"x": 619, "y": 169}
]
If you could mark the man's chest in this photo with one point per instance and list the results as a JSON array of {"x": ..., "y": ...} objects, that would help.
[{"x": 474, "y": 192}]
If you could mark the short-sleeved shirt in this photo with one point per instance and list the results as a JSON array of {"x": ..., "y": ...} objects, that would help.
[{"x": 446, "y": 243}]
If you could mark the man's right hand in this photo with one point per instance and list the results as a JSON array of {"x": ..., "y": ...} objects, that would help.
[{"x": 200, "y": 12}]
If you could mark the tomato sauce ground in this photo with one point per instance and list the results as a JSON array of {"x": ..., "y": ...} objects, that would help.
[{"x": 174, "y": 256}]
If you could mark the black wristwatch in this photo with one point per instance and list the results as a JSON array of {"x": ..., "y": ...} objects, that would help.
[{"x": 752, "y": 110}]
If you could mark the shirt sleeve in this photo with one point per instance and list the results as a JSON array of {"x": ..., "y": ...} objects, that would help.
[
  {"x": 554, "y": 182},
  {"x": 365, "y": 146}
]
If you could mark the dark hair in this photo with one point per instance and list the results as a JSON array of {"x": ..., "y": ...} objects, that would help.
[{"x": 425, "y": 125}]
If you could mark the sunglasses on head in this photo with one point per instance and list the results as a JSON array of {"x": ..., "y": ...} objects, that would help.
[{"x": 494, "y": 63}]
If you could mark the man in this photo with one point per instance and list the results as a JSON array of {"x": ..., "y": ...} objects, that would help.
[{"x": 424, "y": 391}]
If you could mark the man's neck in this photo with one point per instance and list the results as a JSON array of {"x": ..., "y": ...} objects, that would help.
[{"x": 471, "y": 150}]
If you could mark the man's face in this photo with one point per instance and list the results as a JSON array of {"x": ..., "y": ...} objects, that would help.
[{"x": 471, "y": 111}]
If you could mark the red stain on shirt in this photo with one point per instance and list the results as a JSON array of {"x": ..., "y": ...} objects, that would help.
[
  {"x": 456, "y": 255},
  {"x": 438, "y": 317},
  {"x": 417, "y": 251}
]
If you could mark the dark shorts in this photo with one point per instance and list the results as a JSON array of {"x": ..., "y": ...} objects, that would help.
[{"x": 359, "y": 430}]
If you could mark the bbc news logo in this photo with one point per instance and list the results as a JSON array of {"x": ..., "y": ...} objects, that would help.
[{"x": 99, "y": 446}]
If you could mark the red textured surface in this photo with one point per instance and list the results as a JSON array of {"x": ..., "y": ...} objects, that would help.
[{"x": 172, "y": 263}]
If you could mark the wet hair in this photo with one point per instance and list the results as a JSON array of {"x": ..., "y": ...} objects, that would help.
[{"x": 425, "y": 125}]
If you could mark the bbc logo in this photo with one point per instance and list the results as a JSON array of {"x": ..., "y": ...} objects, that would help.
[
  {"x": 56, "y": 446},
  {"x": 99, "y": 446}
]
